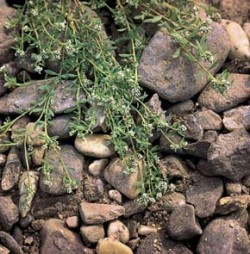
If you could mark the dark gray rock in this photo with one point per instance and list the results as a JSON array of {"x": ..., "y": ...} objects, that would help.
[
  {"x": 236, "y": 93},
  {"x": 57, "y": 239},
  {"x": 59, "y": 126},
  {"x": 9, "y": 213},
  {"x": 178, "y": 79},
  {"x": 182, "y": 108},
  {"x": 73, "y": 163},
  {"x": 193, "y": 126},
  {"x": 182, "y": 223},
  {"x": 223, "y": 237},
  {"x": 204, "y": 194},
  {"x": 133, "y": 207},
  {"x": 228, "y": 156}
]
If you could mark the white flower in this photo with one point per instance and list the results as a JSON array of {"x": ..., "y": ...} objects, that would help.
[
  {"x": 34, "y": 12},
  {"x": 38, "y": 69}
]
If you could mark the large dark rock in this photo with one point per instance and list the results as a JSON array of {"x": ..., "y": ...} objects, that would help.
[
  {"x": 204, "y": 194},
  {"x": 224, "y": 237},
  {"x": 177, "y": 79},
  {"x": 228, "y": 156}
]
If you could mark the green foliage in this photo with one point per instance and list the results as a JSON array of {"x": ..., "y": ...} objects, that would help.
[{"x": 68, "y": 35}]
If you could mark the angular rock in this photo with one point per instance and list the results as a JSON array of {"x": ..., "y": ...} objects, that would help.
[
  {"x": 236, "y": 93},
  {"x": 112, "y": 246},
  {"x": 96, "y": 145},
  {"x": 209, "y": 120},
  {"x": 118, "y": 230},
  {"x": 127, "y": 184},
  {"x": 233, "y": 188},
  {"x": 35, "y": 134},
  {"x": 97, "y": 167},
  {"x": 173, "y": 200},
  {"x": 182, "y": 223},
  {"x": 73, "y": 222},
  {"x": 115, "y": 195},
  {"x": 11, "y": 171},
  {"x": 98, "y": 114},
  {"x": 194, "y": 129},
  {"x": 204, "y": 193},
  {"x": 23, "y": 98},
  {"x": 158, "y": 243},
  {"x": 230, "y": 204},
  {"x": 6, "y": 40},
  {"x": 59, "y": 126},
  {"x": 237, "y": 118},
  {"x": 27, "y": 190},
  {"x": 177, "y": 79},
  {"x": 9, "y": 213},
  {"x": 73, "y": 162},
  {"x": 8, "y": 241},
  {"x": 94, "y": 213},
  {"x": 37, "y": 155},
  {"x": 182, "y": 108},
  {"x": 228, "y": 156},
  {"x": 93, "y": 233},
  {"x": 57, "y": 239},
  {"x": 223, "y": 237}
]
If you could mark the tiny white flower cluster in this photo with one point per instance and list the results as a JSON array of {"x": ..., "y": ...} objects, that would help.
[
  {"x": 34, "y": 12},
  {"x": 69, "y": 47}
]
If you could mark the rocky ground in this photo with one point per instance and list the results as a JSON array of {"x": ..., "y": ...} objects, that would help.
[{"x": 206, "y": 208}]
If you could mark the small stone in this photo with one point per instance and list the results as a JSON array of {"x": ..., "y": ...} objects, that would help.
[
  {"x": 92, "y": 234},
  {"x": 56, "y": 238},
  {"x": 11, "y": 171},
  {"x": 172, "y": 200},
  {"x": 18, "y": 235},
  {"x": 97, "y": 167},
  {"x": 237, "y": 118},
  {"x": 127, "y": 184},
  {"x": 28, "y": 181},
  {"x": 96, "y": 145},
  {"x": 209, "y": 120},
  {"x": 37, "y": 224},
  {"x": 133, "y": 243},
  {"x": 94, "y": 213},
  {"x": 132, "y": 228},
  {"x": 204, "y": 194},
  {"x": 182, "y": 108},
  {"x": 73, "y": 222},
  {"x": 182, "y": 223},
  {"x": 146, "y": 230},
  {"x": 112, "y": 246},
  {"x": 119, "y": 231},
  {"x": 115, "y": 195},
  {"x": 26, "y": 221},
  {"x": 233, "y": 188},
  {"x": 29, "y": 240},
  {"x": 193, "y": 126},
  {"x": 235, "y": 94},
  {"x": 223, "y": 237},
  {"x": 9, "y": 213},
  {"x": 59, "y": 126}
]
